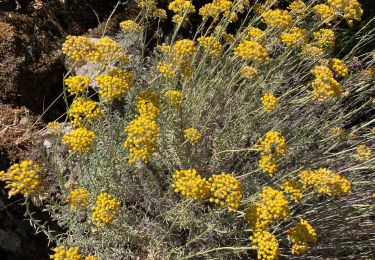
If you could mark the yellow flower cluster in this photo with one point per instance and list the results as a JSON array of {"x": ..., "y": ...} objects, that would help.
[
  {"x": 297, "y": 8},
  {"x": 78, "y": 198},
  {"x": 23, "y": 178},
  {"x": 325, "y": 12},
  {"x": 294, "y": 188},
  {"x": 183, "y": 50},
  {"x": 143, "y": 134},
  {"x": 174, "y": 97},
  {"x": 269, "y": 102},
  {"x": 302, "y": 235},
  {"x": 166, "y": 69},
  {"x": 150, "y": 10},
  {"x": 148, "y": 103},
  {"x": 251, "y": 51},
  {"x": 143, "y": 131},
  {"x": 181, "y": 8},
  {"x": 271, "y": 147},
  {"x": 278, "y": 18},
  {"x": 107, "y": 50},
  {"x": 192, "y": 135},
  {"x": 256, "y": 34},
  {"x": 325, "y": 181},
  {"x": 91, "y": 257},
  {"x": 338, "y": 133},
  {"x": 266, "y": 244},
  {"x": 105, "y": 210},
  {"x": 248, "y": 72},
  {"x": 114, "y": 84},
  {"x": 273, "y": 206},
  {"x": 190, "y": 184},
  {"x": 84, "y": 110},
  {"x": 225, "y": 189},
  {"x": 79, "y": 140},
  {"x": 216, "y": 8},
  {"x": 311, "y": 51},
  {"x": 54, "y": 128},
  {"x": 211, "y": 45},
  {"x": 77, "y": 84},
  {"x": 130, "y": 26},
  {"x": 350, "y": 9},
  {"x": 60, "y": 253},
  {"x": 363, "y": 153},
  {"x": 77, "y": 48},
  {"x": 339, "y": 67},
  {"x": 267, "y": 164},
  {"x": 325, "y": 87},
  {"x": 295, "y": 36},
  {"x": 325, "y": 38},
  {"x": 273, "y": 143}
]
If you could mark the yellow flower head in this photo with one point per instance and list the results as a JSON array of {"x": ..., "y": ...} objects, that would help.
[
  {"x": 78, "y": 198},
  {"x": 148, "y": 103},
  {"x": 115, "y": 84},
  {"x": 130, "y": 26},
  {"x": 349, "y": 9},
  {"x": 297, "y": 8},
  {"x": 363, "y": 153},
  {"x": 272, "y": 206},
  {"x": 91, "y": 257},
  {"x": 325, "y": 87},
  {"x": 267, "y": 164},
  {"x": 269, "y": 102},
  {"x": 190, "y": 184},
  {"x": 192, "y": 135},
  {"x": 174, "y": 97},
  {"x": 143, "y": 134},
  {"x": 54, "y": 128},
  {"x": 273, "y": 143},
  {"x": 23, "y": 178},
  {"x": 77, "y": 48},
  {"x": 311, "y": 51},
  {"x": 325, "y": 12},
  {"x": 302, "y": 235},
  {"x": 295, "y": 36},
  {"x": 60, "y": 253},
  {"x": 325, "y": 181},
  {"x": 251, "y": 51},
  {"x": 181, "y": 8},
  {"x": 225, "y": 190},
  {"x": 211, "y": 45},
  {"x": 166, "y": 69},
  {"x": 248, "y": 72},
  {"x": 77, "y": 84},
  {"x": 294, "y": 188},
  {"x": 79, "y": 140},
  {"x": 278, "y": 18},
  {"x": 325, "y": 38},
  {"x": 338, "y": 133},
  {"x": 107, "y": 51},
  {"x": 182, "y": 50},
  {"x": 256, "y": 34},
  {"x": 84, "y": 111},
  {"x": 215, "y": 8},
  {"x": 266, "y": 244},
  {"x": 105, "y": 209},
  {"x": 339, "y": 67}
]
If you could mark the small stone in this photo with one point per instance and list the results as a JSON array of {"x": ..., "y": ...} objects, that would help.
[{"x": 47, "y": 144}]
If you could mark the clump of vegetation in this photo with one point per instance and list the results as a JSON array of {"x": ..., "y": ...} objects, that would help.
[{"x": 241, "y": 140}]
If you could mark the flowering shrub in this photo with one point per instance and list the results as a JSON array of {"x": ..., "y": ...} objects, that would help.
[{"x": 244, "y": 124}]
